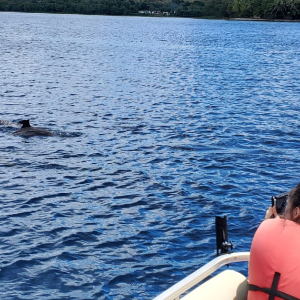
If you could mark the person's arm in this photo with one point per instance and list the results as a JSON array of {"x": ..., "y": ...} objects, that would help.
[{"x": 271, "y": 212}]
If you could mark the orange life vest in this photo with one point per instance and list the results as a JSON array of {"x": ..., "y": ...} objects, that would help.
[{"x": 274, "y": 266}]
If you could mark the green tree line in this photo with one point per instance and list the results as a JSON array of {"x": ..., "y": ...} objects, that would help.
[
  {"x": 265, "y": 9},
  {"x": 268, "y": 9},
  {"x": 109, "y": 7}
]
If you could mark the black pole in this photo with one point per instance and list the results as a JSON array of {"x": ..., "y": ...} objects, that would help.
[{"x": 222, "y": 235}]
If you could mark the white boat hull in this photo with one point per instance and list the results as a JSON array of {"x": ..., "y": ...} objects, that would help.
[{"x": 234, "y": 285}]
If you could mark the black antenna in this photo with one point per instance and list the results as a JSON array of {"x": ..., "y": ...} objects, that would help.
[{"x": 222, "y": 235}]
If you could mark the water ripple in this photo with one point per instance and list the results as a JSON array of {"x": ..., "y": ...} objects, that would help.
[{"x": 160, "y": 124}]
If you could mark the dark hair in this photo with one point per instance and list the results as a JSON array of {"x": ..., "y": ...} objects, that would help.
[{"x": 294, "y": 198}]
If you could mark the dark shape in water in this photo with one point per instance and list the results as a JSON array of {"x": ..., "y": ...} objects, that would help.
[{"x": 26, "y": 130}]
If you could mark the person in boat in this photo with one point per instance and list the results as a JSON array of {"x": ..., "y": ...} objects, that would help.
[{"x": 274, "y": 265}]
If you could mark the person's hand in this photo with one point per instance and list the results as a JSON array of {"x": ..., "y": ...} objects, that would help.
[{"x": 271, "y": 212}]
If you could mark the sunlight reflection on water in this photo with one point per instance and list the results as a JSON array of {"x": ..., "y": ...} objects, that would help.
[{"x": 161, "y": 124}]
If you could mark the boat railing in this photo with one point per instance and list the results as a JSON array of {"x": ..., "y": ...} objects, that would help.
[{"x": 174, "y": 292}]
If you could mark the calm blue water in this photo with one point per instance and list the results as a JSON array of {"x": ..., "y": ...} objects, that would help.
[{"x": 161, "y": 124}]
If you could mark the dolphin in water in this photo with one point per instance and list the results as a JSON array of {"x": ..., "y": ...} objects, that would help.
[{"x": 26, "y": 130}]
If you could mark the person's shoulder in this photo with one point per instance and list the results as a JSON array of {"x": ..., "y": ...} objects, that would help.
[
  {"x": 278, "y": 223},
  {"x": 271, "y": 223}
]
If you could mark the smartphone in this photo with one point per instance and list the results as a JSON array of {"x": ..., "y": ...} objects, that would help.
[{"x": 281, "y": 201}]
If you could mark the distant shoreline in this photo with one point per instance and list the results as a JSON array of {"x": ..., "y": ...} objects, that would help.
[
  {"x": 164, "y": 16},
  {"x": 262, "y": 20}
]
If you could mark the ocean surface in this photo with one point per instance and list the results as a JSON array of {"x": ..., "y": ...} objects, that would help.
[{"x": 159, "y": 125}]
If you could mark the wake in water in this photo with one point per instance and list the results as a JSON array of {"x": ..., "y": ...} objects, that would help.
[{"x": 8, "y": 123}]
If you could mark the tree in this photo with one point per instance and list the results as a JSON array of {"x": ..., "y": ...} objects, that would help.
[
  {"x": 280, "y": 9},
  {"x": 242, "y": 8}
]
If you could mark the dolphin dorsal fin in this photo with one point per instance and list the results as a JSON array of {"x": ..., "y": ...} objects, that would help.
[{"x": 25, "y": 123}]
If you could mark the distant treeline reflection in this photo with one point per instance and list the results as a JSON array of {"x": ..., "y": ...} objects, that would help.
[{"x": 265, "y": 9}]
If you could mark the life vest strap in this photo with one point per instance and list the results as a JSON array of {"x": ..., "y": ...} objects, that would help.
[{"x": 273, "y": 290}]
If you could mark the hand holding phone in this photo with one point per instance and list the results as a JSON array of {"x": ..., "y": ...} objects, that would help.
[{"x": 280, "y": 202}]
